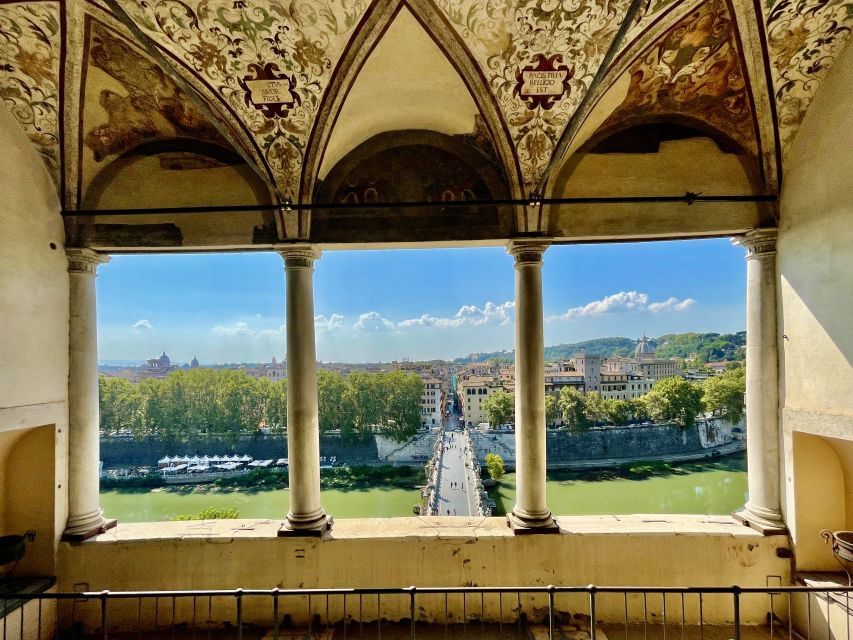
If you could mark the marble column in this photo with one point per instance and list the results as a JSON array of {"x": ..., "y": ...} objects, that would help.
[
  {"x": 530, "y": 513},
  {"x": 85, "y": 517},
  {"x": 763, "y": 510},
  {"x": 306, "y": 515}
]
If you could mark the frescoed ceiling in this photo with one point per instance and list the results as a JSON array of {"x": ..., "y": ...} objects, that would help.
[{"x": 91, "y": 81}]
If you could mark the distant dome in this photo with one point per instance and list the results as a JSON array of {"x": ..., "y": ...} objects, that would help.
[
  {"x": 644, "y": 348},
  {"x": 164, "y": 360},
  {"x": 194, "y": 363}
]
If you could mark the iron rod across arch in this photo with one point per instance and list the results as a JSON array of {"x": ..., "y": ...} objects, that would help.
[{"x": 688, "y": 199}]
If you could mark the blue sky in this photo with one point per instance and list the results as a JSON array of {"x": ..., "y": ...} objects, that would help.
[{"x": 385, "y": 305}]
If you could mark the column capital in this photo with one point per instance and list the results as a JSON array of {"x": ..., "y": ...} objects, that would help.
[
  {"x": 527, "y": 251},
  {"x": 758, "y": 242},
  {"x": 83, "y": 260},
  {"x": 298, "y": 255}
]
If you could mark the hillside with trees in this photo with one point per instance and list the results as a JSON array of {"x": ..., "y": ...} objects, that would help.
[{"x": 709, "y": 347}]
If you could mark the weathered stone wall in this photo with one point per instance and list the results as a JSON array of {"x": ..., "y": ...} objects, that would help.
[
  {"x": 117, "y": 452},
  {"x": 563, "y": 446},
  {"x": 607, "y": 442}
]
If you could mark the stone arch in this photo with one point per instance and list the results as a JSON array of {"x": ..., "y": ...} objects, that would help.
[
  {"x": 668, "y": 127},
  {"x": 215, "y": 153},
  {"x": 413, "y": 166},
  {"x": 359, "y": 49}
]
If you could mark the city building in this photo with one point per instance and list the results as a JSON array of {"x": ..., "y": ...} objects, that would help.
[
  {"x": 148, "y": 127},
  {"x": 432, "y": 402},
  {"x": 472, "y": 391},
  {"x": 274, "y": 370}
]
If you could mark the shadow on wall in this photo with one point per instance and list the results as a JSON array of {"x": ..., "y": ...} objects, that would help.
[{"x": 27, "y": 500}]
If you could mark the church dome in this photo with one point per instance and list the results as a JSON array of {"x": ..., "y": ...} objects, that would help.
[
  {"x": 164, "y": 360},
  {"x": 644, "y": 348}
]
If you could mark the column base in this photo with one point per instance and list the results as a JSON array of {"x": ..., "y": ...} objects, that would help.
[
  {"x": 528, "y": 526},
  {"x": 79, "y": 536},
  {"x": 316, "y": 529},
  {"x": 762, "y": 525}
]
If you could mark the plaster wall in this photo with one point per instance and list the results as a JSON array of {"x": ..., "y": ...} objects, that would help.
[
  {"x": 406, "y": 83},
  {"x": 27, "y": 466},
  {"x": 142, "y": 182},
  {"x": 33, "y": 278},
  {"x": 33, "y": 350},
  {"x": 815, "y": 253},
  {"x": 815, "y": 267},
  {"x": 438, "y": 552},
  {"x": 672, "y": 171},
  {"x": 820, "y": 501}
]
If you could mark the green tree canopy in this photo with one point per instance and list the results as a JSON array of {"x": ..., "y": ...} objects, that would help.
[
  {"x": 573, "y": 407},
  {"x": 500, "y": 407},
  {"x": 723, "y": 395},
  {"x": 552, "y": 410},
  {"x": 495, "y": 466},
  {"x": 675, "y": 399}
]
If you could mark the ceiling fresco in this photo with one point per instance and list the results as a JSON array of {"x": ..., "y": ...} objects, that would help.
[
  {"x": 268, "y": 62},
  {"x": 508, "y": 37},
  {"x": 90, "y": 80},
  {"x": 153, "y": 108},
  {"x": 803, "y": 39},
  {"x": 694, "y": 71},
  {"x": 30, "y": 44}
]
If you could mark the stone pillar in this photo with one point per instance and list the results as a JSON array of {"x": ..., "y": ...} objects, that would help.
[
  {"x": 306, "y": 515},
  {"x": 530, "y": 513},
  {"x": 763, "y": 510},
  {"x": 85, "y": 517}
]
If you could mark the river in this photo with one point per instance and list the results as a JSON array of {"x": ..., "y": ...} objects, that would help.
[{"x": 712, "y": 489}]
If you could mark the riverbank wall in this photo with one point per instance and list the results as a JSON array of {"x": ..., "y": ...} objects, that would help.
[
  {"x": 565, "y": 448},
  {"x": 128, "y": 452},
  {"x": 609, "y": 445}
]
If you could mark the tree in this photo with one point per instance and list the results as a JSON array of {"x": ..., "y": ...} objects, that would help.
[
  {"x": 274, "y": 398},
  {"x": 552, "y": 409},
  {"x": 495, "y": 466},
  {"x": 120, "y": 405},
  {"x": 723, "y": 394},
  {"x": 402, "y": 404},
  {"x": 594, "y": 407},
  {"x": 500, "y": 408},
  {"x": 363, "y": 395},
  {"x": 335, "y": 408},
  {"x": 618, "y": 411},
  {"x": 674, "y": 399},
  {"x": 573, "y": 406}
]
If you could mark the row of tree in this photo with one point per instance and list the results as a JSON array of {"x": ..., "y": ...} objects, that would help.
[
  {"x": 227, "y": 404},
  {"x": 670, "y": 400}
]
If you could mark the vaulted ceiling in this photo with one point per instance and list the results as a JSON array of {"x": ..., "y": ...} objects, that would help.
[{"x": 287, "y": 88}]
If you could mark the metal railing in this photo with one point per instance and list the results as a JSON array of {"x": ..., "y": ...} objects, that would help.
[{"x": 502, "y": 613}]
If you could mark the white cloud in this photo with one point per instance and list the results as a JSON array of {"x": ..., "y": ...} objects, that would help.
[
  {"x": 626, "y": 302},
  {"x": 468, "y": 315},
  {"x": 672, "y": 304},
  {"x": 334, "y": 321},
  {"x": 372, "y": 322},
  {"x": 236, "y": 329},
  {"x": 142, "y": 324}
]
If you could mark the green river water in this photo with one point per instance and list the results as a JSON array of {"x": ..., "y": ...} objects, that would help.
[{"x": 711, "y": 489}]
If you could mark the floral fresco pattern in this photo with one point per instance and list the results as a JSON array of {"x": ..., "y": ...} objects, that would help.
[
  {"x": 506, "y": 35},
  {"x": 695, "y": 70},
  {"x": 803, "y": 39},
  {"x": 153, "y": 109},
  {"x": 219, "y": 40},
  {"x": 30, "y": 43}
]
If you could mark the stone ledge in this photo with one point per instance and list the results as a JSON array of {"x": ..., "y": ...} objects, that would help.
[{"x": 437, "y": 527}]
